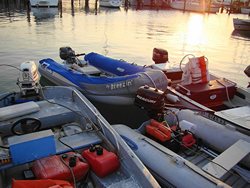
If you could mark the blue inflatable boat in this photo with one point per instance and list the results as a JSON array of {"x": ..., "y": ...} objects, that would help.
[{"x": 101, "y": 78}]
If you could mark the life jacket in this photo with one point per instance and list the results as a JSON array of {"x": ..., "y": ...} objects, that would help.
[{"x": 195, "y": 71}]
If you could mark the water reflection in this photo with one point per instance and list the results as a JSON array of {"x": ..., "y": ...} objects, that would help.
[
  {"x": 10, "y": 9},
  {"x": 195, "y": 32},
  {"x": 109, "y": 10},
  {"x": 13, "y": 5}
]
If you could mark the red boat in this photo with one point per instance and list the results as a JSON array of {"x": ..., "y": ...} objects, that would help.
[{"x": 192, "y": 86}]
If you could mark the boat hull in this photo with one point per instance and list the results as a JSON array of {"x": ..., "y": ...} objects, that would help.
[
  {"x": 241, "y": 24},
  {"x": 110, "y": 3},
  {"x": 245, "y": 10},
  {"x": 192, "y": 6}
]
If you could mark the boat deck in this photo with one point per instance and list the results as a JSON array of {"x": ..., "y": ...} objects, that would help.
[{"x": 204, "y": 156}]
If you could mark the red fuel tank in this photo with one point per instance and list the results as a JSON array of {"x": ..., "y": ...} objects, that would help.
[
  {"x": 158, "y": 130},
  {"x": 40, "y": 184},
  {"x": 101, "y": 161},
  {"x": 53, "y": 167}
]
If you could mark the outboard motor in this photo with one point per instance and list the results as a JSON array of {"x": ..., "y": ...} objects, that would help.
[
  {"x": 67, "y": 54},
  {"x": 150, "y": 99},
  {"x": 160, "y": 55},
  {"x": 28, "y": 79}
]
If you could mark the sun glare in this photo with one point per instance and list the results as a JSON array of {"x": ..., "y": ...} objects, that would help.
[{"x": 195, "y": 33}]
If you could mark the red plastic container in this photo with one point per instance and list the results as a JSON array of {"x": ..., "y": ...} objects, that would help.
[
  {"x": 104, "y": 164},
  {"x": 157, "y": 133},
  {"x": 40, "y": 184},
  {"x": 53, "y": 168}
]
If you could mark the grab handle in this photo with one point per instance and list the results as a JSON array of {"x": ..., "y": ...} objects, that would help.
[{"x": 187, "y": 91}]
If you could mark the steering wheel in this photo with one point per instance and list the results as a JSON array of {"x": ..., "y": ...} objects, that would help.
[{"x": 25, "y": 126}]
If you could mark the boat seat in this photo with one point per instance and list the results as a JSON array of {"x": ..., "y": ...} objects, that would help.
[
  {"x": 17, "y": 110},
  {"x": 239, "y": 116},
  {"x": 224, "y": 162},
  {"x": 89, "y": 70},
  {"x": 85, "y": 69},
  {"x": 49, "y": 114},
  {"x": 77, "y": 141}
]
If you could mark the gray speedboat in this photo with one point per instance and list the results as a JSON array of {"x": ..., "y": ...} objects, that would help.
[{"x": 56, "y": 133}]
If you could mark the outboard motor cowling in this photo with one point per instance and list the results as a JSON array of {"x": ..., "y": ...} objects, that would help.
[
  {"x": 69, "y": 56},
  {"x": 150, "y": 99},
  {"x": 66, "y": 53},
  {"x": 160, "y": 55},
  {"x": 29, "y": 78}
]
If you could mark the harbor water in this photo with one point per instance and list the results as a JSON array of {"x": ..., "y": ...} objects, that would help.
[{"x": 128, "y": 34}]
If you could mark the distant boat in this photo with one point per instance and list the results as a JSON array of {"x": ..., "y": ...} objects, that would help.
[
  {"x": 241, "y": 24},
  {"x": 110, "y": 3},
  {"x": 195, "y": 6},
  {"x": 44, "y": 3},
  {"x": 161, "y": 3}
]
